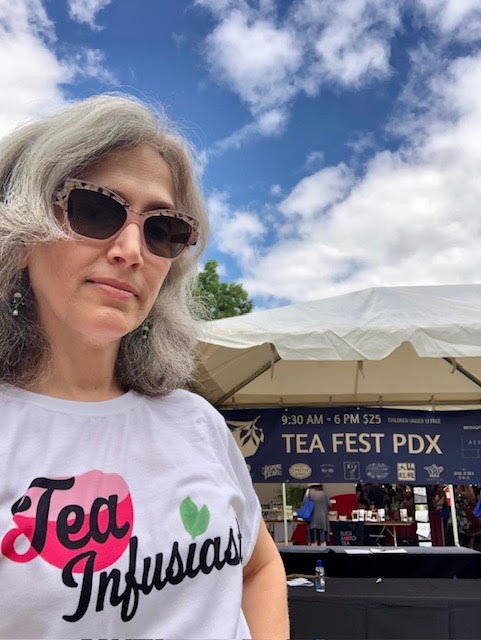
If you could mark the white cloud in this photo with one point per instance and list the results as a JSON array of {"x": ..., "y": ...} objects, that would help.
[
  {"x": 269, "y": 123},
  {"x": 313, "y": 195},
  {"x": 236, "y": 232},
  {"x": 458, "y": 18},
  {"x": 413, "y": 218},
  {"x": 88, "y": 63},
  {"x": 351, "y": 38},
  {"x": 31, "y": 72},
  {"x": 314, "y": 158},
  {"x": 218, "y": 6},
  {"x": 409, "y": 216},
  {"x": 85, "y": 11},
  {"x": 361, "y": 142},
  {"x": 269, "y": 61},
  {"x": 251, "y": 56},
  {"x": 17, "y": 16}
]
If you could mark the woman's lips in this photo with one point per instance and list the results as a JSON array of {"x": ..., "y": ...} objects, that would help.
[{"x": 114, "y": 288}]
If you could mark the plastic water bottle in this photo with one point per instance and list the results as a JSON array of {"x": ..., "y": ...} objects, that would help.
[{"x": 320, "y": 579}]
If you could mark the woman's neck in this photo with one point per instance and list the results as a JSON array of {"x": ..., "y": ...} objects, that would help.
[{"x": 82, "y": 372}]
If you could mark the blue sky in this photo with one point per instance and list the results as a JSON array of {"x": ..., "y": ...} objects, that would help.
[{"x": 338, "y": 141}]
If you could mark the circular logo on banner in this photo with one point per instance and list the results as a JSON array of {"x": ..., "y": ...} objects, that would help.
[
  {"x": 377, "y": 471},
  {"x": 300, "y": 471}
]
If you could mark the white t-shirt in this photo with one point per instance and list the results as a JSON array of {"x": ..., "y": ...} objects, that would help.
[{"x": 129, "y": 518}]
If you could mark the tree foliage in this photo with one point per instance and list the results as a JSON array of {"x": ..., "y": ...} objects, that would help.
[{"x": 221, "y": 299}]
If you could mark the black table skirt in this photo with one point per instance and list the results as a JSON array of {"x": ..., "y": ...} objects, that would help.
[
  {"x": 414, "y": 609},
  {"x": 415, "y": 562}
]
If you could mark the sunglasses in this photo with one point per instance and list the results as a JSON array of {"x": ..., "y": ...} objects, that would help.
[{"x": 100, "y": 214}]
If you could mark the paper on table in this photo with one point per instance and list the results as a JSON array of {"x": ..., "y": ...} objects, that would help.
[
  {"x": 421, "y": 516},
  {"x": 299, "y": 582},
  {"x": 388, "y": 550},
  {"x": 423, "y": 529},
  {"x": 357, "y": 551}
]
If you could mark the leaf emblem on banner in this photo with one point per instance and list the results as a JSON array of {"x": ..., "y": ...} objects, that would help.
[
  {"x": 247, "y": 435},
  {"x": 195, "y": 520}
]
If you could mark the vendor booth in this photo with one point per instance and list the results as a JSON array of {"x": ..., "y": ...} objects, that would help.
[{"x": 325, "y": 364}]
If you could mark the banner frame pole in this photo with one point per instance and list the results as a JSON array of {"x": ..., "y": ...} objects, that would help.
[
  {"x": 284, "y": 512},
  {"x": 454, "y": 519}
]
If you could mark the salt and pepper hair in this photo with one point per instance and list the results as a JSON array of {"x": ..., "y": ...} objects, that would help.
[{"x": 34, "y": 161}]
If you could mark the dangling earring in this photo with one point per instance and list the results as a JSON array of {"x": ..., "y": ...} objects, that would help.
[
  {"x": 17, "y": 303},
  {"x": 145, "y": 329}
]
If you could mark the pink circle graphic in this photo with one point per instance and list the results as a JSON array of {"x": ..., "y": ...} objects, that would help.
[{"x": 67, "y": 517}]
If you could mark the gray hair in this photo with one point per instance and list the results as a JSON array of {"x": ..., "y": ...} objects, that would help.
[{"x": 34, "y": 160}]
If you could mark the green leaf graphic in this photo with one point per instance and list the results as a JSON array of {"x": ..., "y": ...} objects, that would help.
[{"x": 195, "y": 520}]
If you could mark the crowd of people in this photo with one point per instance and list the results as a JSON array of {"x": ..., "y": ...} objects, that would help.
[
  {"x": 468, "y": 523},
  {"x": 394, "y": 498},
  {"x": 391, "y": 498},
  {"x": 398, "y": 503}
]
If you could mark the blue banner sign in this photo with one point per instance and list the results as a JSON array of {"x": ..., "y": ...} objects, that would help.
[{"x": 350, "y": 444}]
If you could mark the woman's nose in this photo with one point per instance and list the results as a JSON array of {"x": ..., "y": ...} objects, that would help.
[{"x": 127, "y": 246}]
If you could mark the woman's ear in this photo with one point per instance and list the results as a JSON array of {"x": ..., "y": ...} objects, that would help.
[{"x": 24, "y": 257}]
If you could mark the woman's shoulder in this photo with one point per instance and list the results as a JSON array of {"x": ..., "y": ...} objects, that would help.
[
  {"x": 189, "y": 411},
  {"x": 188, "y": 405},
  {"x": 187, "y": 399}
]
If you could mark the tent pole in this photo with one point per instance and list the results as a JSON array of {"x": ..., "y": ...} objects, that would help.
[
  {"x": 265, "y": 367},
  {"x": 463, "y": 371},
  {"x": 284, "y": 511},
  {"x": 454, "y": 519}
]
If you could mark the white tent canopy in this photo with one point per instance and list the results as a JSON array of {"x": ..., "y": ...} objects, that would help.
[{"x": 388, "y": 345}]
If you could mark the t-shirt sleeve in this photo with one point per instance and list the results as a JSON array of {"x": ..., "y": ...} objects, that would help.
[{"x": 247, "y": 507}]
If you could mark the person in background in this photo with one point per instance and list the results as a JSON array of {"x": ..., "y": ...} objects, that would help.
[
  {"x": 408, "y": 501},
  {"x": 462, "y": 503},
  {"x": 318, "y": 527},
  {"x": 361, "y": 500},
  {"x": 126, "y": 507},
  {"x": 468, "y": 491},
  {"x": 376, "y": 496},
  {"x": 390, "y": 496}
]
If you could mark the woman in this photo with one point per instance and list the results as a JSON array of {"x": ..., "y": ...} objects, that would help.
[
  {"x": 318, "y": 526},
  {"x": 462, "y": 504},
  {"x": 126, "y": 509}
]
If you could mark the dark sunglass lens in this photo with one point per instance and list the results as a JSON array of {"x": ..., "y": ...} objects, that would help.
[
  {"x": 93, "y": 214},
  {"x": 165, "y": 236}
]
